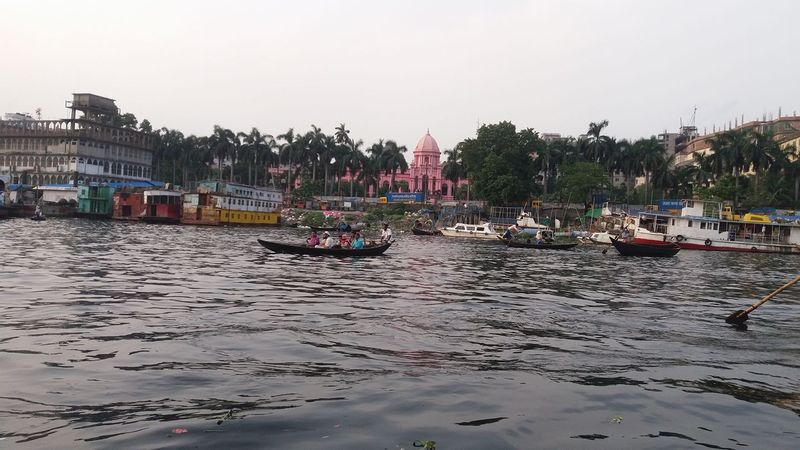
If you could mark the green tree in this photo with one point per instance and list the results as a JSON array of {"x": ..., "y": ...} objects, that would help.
[
  {"x": 581, "y": 179},
  {"x": 499, "y": 163}
]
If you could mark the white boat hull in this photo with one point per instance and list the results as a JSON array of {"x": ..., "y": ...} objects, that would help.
[
  {"x": 715, "y": 245},
  {"x": 469, "y": 234}
]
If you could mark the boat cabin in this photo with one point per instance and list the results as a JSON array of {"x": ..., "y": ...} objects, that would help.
[{"x": 162, "y": 206}]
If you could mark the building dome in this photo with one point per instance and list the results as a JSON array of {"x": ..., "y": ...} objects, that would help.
[{"x": 427, "y": 144}]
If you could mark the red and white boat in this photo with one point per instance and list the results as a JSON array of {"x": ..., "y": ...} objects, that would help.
[{"x": 701, "y": 225}]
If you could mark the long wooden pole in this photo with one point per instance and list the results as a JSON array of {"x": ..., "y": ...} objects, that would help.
[{"x": 741, "y": 316}]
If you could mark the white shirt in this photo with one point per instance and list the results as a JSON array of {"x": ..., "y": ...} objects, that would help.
[
  {"x": 328, "y": 242},
  {"x": 386, "y": 235}
]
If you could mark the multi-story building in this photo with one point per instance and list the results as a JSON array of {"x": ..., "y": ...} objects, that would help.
[
  {"x": 84, "y": 148},
  {"x": 783, "y": 128}
]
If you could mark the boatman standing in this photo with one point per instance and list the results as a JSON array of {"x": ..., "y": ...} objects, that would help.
[{"x": 386, "y": 234}]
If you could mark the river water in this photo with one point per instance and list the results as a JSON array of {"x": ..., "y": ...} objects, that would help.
[{"x": 125, "y": 335}]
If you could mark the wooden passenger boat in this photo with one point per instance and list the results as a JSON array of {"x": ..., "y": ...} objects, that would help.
[
  {"x": 292, "y": 249},
  {"x": 325, "y": 229},
  {"x": 423, "y": 232},
  {"x": 638, "y": 249},
  {"x": 544, "y": 246}
]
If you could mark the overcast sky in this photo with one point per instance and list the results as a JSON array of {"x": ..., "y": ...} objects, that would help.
[{"x": 395, "y": 69}]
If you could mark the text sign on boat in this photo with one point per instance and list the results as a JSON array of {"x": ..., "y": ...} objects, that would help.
[
  {"x": 664, "y": 205},
  {"x": 400, "y": 197}
]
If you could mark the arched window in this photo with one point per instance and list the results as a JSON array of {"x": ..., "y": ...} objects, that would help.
[{"x": 444, "y": 189}]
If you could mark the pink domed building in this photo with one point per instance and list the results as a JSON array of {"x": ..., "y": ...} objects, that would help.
[{"x": 424, "y": 173}]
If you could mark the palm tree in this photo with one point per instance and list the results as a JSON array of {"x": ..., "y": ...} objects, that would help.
[
  {"x": 286, "y": 150},
  {"x": 761, "y": 152},
  {"x": 546, "y": 158},
  {"x": 729, "y": 151},
  {"x": 221, "y": 142},
  {"x": 260, "y": 146},
  {"x": 453, "y": 168},
  {"x": 651, "y": 153},
  {"x": 597, "y": 144},
  {"x": 703, "y": 172},
  {"x": 393, "y": 160},
  {"x": 790, "y": 165}
]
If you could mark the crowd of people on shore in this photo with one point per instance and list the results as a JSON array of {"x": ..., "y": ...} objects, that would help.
[{"x": 345, "y": 241}]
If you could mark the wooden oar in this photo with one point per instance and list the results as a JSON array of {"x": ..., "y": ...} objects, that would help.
[{"x": 739, "y": 317}]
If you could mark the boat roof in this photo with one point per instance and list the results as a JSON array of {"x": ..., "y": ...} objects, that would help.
[{"x": 161, "y": 192}]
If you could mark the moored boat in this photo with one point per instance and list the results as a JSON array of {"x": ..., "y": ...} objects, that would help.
[
  {"x": 292, "y": 249},
  {"x": 425, "y": 232},
  {"x": 664, "y": 249},
  {"x": 464, "y": 230},
  {"x": 700, "y": 225},
  {"x": 224, "y": 203},
  {"x": 162, "y": 206}
]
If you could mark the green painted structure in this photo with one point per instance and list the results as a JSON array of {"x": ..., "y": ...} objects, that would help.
[{"x": 95, "y": 201}]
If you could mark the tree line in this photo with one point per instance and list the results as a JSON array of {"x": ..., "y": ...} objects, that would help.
[
  {"x": 508, "y": 167},
  {"x": 505, "y": 166},
  {"x": 326, "y": 164}
]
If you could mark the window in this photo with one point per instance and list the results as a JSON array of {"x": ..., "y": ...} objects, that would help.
[
  {"x": 690, "y": 204},
  {"x": 673, "y": 222},
  {"x": 690, "y": 224},
  {"x": 702, "y": 225},
  {"x": 716, "y": 226}
]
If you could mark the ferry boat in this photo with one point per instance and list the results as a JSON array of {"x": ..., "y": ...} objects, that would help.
[
  {"x": 464, "y": 230},
  {"x": 128, "y": 205},
  {"x": 701, "y": 225},
  {"x": 162, "y": 206},
  {"x": 222, "y": 203}
]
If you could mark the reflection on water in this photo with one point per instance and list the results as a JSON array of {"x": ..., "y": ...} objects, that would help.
[{"x": 117, "y": 334}]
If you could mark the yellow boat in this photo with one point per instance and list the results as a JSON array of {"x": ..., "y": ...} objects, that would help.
[{"x": 221, "y": 203}]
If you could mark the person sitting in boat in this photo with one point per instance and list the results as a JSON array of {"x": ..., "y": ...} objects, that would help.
[
  {"x": 358, "y": 241},
  {"x": 327, "y": 241},
  {"x": 386, "y": 234},
  {"x": 313, "y": 240},
  {"x": 510, "y": 232},
  {"x": 344, "y": 241},
  {"x": 343, "y": 227}
]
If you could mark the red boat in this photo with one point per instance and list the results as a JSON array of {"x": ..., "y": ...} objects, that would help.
[{"x": 162, "y": 206}]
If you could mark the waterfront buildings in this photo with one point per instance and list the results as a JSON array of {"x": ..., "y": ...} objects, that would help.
[
  {"x": 424, "y": 174},
  {"x": 87, "y": 147},
  {"x": 785, "y": 129}
]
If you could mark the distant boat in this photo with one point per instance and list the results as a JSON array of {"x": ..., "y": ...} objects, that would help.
[
  {"x": 278, "y": 247},
  {"x": 636, "y": 249},
  {"x": 313, "y": 228},
  {"x": 425, "y": 232},
  {"x": 38, "y": 217},
  {"x": 469, "y": 231}
]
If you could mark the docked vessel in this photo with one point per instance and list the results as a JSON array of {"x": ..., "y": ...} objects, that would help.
[
  {"x": 222, "y": 203},
  {"x": 95, "y": 201},
  {"x": 128, "y": 205},
  {"x": 662, "y": 249},
  {"x": 463, "y": 230},
  {"x": 162, "y": 206},
  {"x": 700, "y": 225}
]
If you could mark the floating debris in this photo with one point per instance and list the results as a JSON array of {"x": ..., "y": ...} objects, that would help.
[
  {"x": 426, "y": 445},
  {"x": 616, "y": 419},
  {"x": 180, "y": 430},
  {"x": 228, "y": 416}
]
